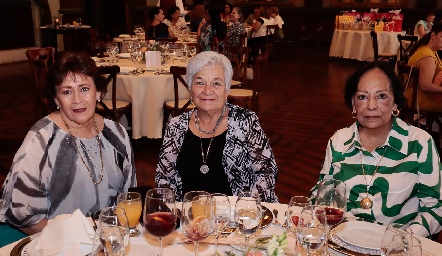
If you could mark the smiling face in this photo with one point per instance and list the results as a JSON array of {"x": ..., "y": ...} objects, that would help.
[
  {"x": 256, "y": 11},
  {"x": 430, "y": 18},
  {"x": 374, "y": 100},
  {"x": 176, "y": 15},
  {"x": 77, "y": 97},
  {"x": 209, "y": 88},
  {"x": 235, "y": 15}
]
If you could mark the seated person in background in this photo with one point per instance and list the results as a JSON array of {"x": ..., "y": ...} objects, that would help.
[
  {"x": 274, "y": 16},
  {"x": 218, "y": 147},
  {"x": 424, "y": 56},
  {"x": 209, "y": 28},
  {"x": 422, "y": 27},
  {"x": 197, "y": 15},
  {"x": 391, "y": 169},
  {"x": 174, "y": 21},
  {"x": 259, "y": 32},
  {"x": 253, "y": 16},
  {"x": 226, "y": 15},
  {"x": 236, "y": 30},
  {"x": 157, "y": 28},
  {"x": 71, "y": 159}
]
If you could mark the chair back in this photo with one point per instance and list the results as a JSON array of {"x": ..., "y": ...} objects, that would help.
[
  {"x": 405, "y": 45},
  {"x": 374, "y": 42},
  {"x": 41, "y": 59},
  {"x": 97, "y": 37},
  {"x": 178, "y": 73},
  {"x": 409, "y": 75},
  {"x": 111, "y": 71},
  {"x": 97, "y": 49},
  {"x": 271, "y": 35},
  {"x": 216, "y": 44},
  {"x": 260, "y": 62},
  {"x": 238, "y": 56}
]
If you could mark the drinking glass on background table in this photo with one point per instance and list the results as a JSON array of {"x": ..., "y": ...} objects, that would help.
[
  {"x": 186, "y": 50},
  {"x": 112, "y": 50},
  {"x": 132, "y": 205},
  {"x": 192, "y": 50},
  {"x": 392, "y": 230},
  {"x": 312, "y": 230},
  {"x": 404, "y": 245},
  {"x": 332, "y": 196},
  {"x": 248, "y": 214},
  {"x": 294, "y": 211},
  {"x": 221, "y": 215},
  {"x": 160, "y": 213},
  {"x": 197, "y": 216}
]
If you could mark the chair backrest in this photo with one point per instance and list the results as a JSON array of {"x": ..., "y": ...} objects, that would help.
[
  {"x": 97, "y": 49},
  {"x": 112, "y": 72},
  {"x": 216, "y": 44},
  {"x": 405, "y": 44},
  {"x": 271, "y": 32},
  {"x": 238, "y": 56},
  {"x": 260, "y": 62},
  {"x": 97, "y": 37},
  {"x": 178, "y": 73},
  {"x": 409, "y": 75},
  {"x": 41, "y": 59},
  {"x": 374, "y": 42}
]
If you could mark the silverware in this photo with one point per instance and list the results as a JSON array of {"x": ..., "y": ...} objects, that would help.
[
  {"x": 275, "y": 212},
  {"x": 286, "y": 223}
]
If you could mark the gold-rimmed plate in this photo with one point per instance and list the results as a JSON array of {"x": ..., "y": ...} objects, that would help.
[
  {"x": 16, "y": 251},
  {"x": 267, "y": 217}
]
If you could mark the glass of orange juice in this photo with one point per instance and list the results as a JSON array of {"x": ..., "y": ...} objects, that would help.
[{"x": 131, "y": 203}]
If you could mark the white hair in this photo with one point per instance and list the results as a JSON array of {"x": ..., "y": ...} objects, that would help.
[{"x": 203, "y": 59}]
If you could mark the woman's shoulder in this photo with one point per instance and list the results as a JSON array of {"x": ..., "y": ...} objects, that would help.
[
  {"x": 116, "y": 128},
  {"x": 423, "y": 52}
]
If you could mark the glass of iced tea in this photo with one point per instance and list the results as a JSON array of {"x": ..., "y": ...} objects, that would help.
[
  {"x": 132, "y": 205},
  {"x": 160, "y": 213}
]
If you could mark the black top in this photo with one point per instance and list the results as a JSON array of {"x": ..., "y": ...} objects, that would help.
[
  {"x": 189, "y": 162},
  {"x": 159, "y": 31}
]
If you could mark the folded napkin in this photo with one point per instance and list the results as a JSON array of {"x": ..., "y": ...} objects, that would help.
[
  {"x": 66, "y": 234},
  {"x": 126, "y": 70}
]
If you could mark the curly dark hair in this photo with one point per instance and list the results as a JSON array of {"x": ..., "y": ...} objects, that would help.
[
  {"x": 352, "y": 83},
  {"x": 426, "y": 38},
  {"x": 171, "y": 11},
  {"x": 75, "y": 63}
]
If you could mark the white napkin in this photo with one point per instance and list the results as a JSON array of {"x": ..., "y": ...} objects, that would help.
[
  {"x": 126, "y": 70},
  {"x": 66, "y": 234}
]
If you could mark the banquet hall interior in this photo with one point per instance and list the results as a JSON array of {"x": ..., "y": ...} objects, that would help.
[{"x": 301, "y": 91}]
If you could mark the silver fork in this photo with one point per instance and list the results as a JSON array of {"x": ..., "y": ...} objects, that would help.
[
  {"x": 286, "y": 223},
  {"x": 275, "y": 212}
]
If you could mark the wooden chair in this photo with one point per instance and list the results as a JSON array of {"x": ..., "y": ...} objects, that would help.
[
  {"x": 216, "y": 47},
  {"x": 41, "y": 59},
  {"x": 390, "y": 57},
  {"x": 405, "y": 44},
  {"x": 97, "y": 37},
  {"x": 177, "y": 106},
  {"x": 113, "y": 109},
  {"x": 98, "y": 49},
  {"x": 248, "y": 98},
  {"x": 271, "y": 36},
  {"x": 238, "y": 56}
]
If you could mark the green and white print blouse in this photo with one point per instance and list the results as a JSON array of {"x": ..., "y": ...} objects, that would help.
[{"x": 407, "y": 186}]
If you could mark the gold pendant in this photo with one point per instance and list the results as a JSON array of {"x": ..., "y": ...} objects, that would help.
[{"x": 366, "y": 203}]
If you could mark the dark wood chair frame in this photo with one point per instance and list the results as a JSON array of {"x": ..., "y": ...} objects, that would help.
[
  {"x": 238, "y": 56},
  {"x": 404, "y": 51},
  {"x": 391, "y": 58}
]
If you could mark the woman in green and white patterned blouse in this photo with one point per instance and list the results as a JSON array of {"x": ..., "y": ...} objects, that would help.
[{"x": 392, "y": 169}]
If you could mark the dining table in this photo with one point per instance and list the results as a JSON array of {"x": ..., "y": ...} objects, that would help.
[
  {"x": 177, "y": 244},
  {"x": 357, "y": 44}
]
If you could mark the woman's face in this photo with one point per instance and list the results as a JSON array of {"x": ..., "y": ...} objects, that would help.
[
  {"x": 430, "y": 18},
  {"x": 235, "y": 15},
  {"x": 273, "y": 14},
  {"x": 436, "y": 41},
  {"x": 160, "y": 16},
  {"x": 176, "y": 15},
  {"x": 374, "y": 100},
  {"x": 256, "y": 11},
  {"x": 77, "y": 97},
  {"x": 209, "y": 88},
  {"x": 227, "y": 9}
]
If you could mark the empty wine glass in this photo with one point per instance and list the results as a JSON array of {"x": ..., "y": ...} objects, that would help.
[
  {"x": 221, "y": 215},
  {"x": 186, "y": 51},
  {"x": 392, "y": 230},
  {"x": 197, "y": 216},
  {"x": 332, "y": 196},
  {"x": 404, "y": 245},
  {"x": 192, "y": 50},
  {"x": 112, "y": 50},
  {"x": 172, "y": 55},
  {"x": 247, "y": 215},
  {"x": 132, "y": 205},
  {"x": 312, "y": 230},
  {"x": 160, "y": 213},
  {"x": 294, "y": 210}
]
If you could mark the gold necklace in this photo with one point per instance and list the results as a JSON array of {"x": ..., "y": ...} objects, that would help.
[
  {"x": 79, "y": 154},
  {"x": 367, "y": 203}
]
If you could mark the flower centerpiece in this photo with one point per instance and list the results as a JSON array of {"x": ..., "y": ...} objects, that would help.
[{"x": 275, "y": 247}]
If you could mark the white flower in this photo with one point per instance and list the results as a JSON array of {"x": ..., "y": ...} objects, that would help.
[{"x": 277, "y": 245}]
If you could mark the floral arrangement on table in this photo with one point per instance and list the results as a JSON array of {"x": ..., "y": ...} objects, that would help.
[
  {"x": 275, "y": 247},
  {"x": 153, "y": 45}
]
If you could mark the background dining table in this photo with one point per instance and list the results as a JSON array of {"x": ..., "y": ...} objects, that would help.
[{"x": 356, "y": 44}]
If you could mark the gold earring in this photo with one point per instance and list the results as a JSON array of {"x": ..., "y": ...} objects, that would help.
[
  {"x": 395, "y": 112},
  {"x": 353, "y": 114}
]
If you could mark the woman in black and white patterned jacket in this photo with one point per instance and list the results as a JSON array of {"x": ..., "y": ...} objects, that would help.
[{"x": 218, "y": 147}]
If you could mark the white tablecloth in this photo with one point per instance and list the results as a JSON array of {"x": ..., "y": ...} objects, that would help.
[
  {"x": 147, "y": 92},
  {"x": 172, "y": 244},
  {"x": 353, "y": 44}
]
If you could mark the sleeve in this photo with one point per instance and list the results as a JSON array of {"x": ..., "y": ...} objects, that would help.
[
  {"x": 179, "y": 4},
  {"x": 261, "y": 20},
  {"x": 429, "y": 218},
  {"x": 24, "y": 201},
  {"x": 130, "y": 177},
  {"x": 264, "y": 169},
  {"x": 166, "y": 172}
]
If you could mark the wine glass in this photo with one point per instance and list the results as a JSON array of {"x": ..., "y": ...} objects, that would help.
[
  {"x": 160, "y": 213},
  {"x": 332, "y": 196},
  {"x": 392, "y": 230},
  {"x": 192, "y": 50},
  {"x": 404, "y": 245},
  {"x": 247, "y": 215},
  {"x": 172, "y": 55},
  {"x": 186, "y": 51},
  {"x": 113, "y": 219},
  {"x": 221, "y": 215},
  {"x": 112, "y": 50},
  {"x": 197, "y": 216},
  {"x": 295, "y": 207},
  {"x": 132, "y": 205},
  {"x": 312, "y": 230}
]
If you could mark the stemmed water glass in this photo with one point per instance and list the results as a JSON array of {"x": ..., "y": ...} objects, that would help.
[
  {"x": 186, "y": 52},
  {"x": 192, "y": 50},
  {"x": 132, "y": 205},
  {"x": 312, "y": 230},
  {"x": 160, "y": 213},
  {"x": 112, "y": 50},
  {"x": 332, "y": 196},
  {"x": 197, "y": 216},
  {"x": 247, "y": 215},
  {"x": 404, "y": 245},
  {"x": 392, "y": 230},
  {"x": 294, "y": 210},
  {"x": 221, "y": 215}
]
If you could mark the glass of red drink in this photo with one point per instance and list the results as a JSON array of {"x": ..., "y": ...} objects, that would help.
[
  {"x": 332, "y": 195},
  {"x": 160, "y": 213}
]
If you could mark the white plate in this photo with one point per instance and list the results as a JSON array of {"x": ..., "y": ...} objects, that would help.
[
  {"x": 124, "y": 55},
  {"x": 362, "y": 234},
  {"x": 29, "y": 249}
]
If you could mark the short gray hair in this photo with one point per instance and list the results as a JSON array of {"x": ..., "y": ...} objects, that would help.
[{"x": 205, "y": 58}]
